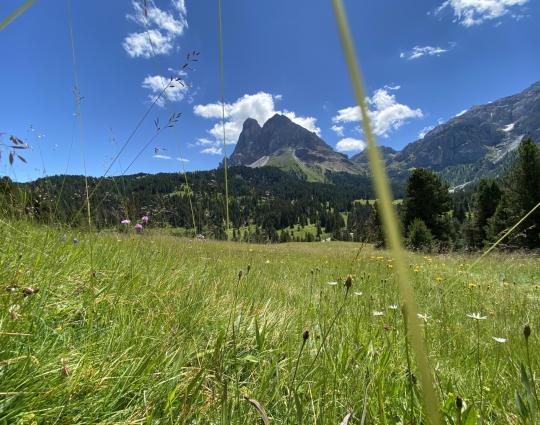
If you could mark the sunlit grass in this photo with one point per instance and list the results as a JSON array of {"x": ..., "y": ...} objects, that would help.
[{"x": 150, "y": 332}]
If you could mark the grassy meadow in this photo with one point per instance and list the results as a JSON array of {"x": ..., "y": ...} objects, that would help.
[{"x": 133, "y": 329}]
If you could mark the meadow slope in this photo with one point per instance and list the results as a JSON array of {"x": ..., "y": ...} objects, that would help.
[{"x": 159, "y": 329}]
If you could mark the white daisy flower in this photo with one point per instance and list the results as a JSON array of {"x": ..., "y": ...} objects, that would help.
[{"x": 476, "y": 316}]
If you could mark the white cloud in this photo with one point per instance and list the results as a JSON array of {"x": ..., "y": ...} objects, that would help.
[
  {"x": 161, "y": 29},
  {"x": 425, "y": 131},
  {"x": 146, "y": 44},
  {"x": 338, "y": 129},
  {"x": 174, "y": 91},
  {"x": 350, "y": 145},
  {"x": 204, "y": 142},
  {"x": 212, "y": 150},
  {"x": 167, "y": 157},
  {"x": 385, "y": 112},
  {"x": 475, "y": 12},
  {"x": 461, "y": 113},
  {"x": 418, "y": 51},
  {"x": 159, "y": 156},
  {"x": 162, "y": 19},
  {"x": 309, "y": 123},
  {"x": 180, "y": 5},
  {"x": 259, "y": 106}
]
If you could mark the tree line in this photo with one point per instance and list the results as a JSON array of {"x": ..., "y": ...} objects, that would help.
[{"x": 269, "y": 205}]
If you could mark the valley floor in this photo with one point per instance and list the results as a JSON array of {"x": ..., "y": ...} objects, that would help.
[{"x": 157, "y": 329}]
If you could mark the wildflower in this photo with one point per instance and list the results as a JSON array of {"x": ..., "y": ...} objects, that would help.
[
  {"x": 378, "y": 313},
  {"x": 145, "y": 219},
  {"x": 500, "y": 340},
  {"x": 267, "y": 262},
  {"x": 126, "y": 221},
  {"x": 138, "y": 228},
  {"x": 390, "y": 266},
  {"x": 332, "y": 283},
  {"x": 393, "y": 307},
  {"x": 439, "y": 279},
  {"x": 416, "y": 269},
  {"x": 423, "y": 317},
  {"x": 476, "y": 316},
  {"x": 358, "y": 294},
  {"x": 472, "y": 285}
]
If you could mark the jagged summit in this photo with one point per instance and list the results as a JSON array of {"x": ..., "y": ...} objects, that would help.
[
  {"x": 471, "y": 145},
  {"x": 284, "y": 144}
]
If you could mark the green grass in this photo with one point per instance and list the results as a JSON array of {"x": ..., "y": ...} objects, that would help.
[{"x": 154, "y": 329}]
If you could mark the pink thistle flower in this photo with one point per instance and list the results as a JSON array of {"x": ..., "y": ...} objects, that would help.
[
  {"x": 145, "y": 219},
  {"x": 138, "y": 228},
  {"x": 126, "y": 221}
]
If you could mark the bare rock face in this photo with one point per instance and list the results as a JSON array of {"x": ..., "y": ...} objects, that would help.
[
  {"x": 475, "y": 144},
  {"x": 289, "y": 146}
]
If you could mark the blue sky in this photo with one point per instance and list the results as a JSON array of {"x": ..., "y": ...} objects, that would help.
[{"x": 423, "y": 62}]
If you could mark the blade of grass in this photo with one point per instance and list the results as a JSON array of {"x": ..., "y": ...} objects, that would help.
[
  {"x": 19, "y": 11},
  {"x": 390, "y": 222}
]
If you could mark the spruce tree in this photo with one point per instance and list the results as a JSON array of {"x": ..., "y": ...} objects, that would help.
[
  {"x": 427, "y": 198},
  {"x": 521, "y": 193},
  {"x": 486, "y": 200}
]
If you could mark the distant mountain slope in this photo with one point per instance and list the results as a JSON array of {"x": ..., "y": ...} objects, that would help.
[
  {"x": 290, "y": 147},
  {"x": 476, "y": 143}
]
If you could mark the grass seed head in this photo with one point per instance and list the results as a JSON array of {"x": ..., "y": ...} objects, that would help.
[
  {"x": 30, "y": 291},
  {"x": 527, "y": 332},
  {"x": 305, "y": 335},
  {"x": 459, "y": 403},
  {"x": 348, "y": 282}
]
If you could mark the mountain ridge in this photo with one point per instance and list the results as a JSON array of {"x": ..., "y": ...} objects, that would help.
[
  {"x": 282, "y": 143},
  {"x": 471, "y": 145}
]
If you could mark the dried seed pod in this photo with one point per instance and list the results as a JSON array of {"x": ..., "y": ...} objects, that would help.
[
  {"x": 348, "y": 282},
  {"x": 459, "y": 403},
  {"x": 30, "y": 291},
  {"x": 527, "y": 331}
]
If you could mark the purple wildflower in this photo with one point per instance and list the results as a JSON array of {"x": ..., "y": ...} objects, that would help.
[
  {"x": 126, "y": 221},
  {"x": 138, "y": 228},
  {"x": 145, "y": 219}
]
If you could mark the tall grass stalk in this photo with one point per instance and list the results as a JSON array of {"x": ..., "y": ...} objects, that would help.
[
  {"x": 390, "y": 223},
  {"x": 222, "y": 95},
  {"x": 16, "y": 13}
]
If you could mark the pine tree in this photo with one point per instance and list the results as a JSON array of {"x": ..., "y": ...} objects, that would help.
[
  {"x": 521, "y": 193},
  {"x": 427, "y": 199},
  {"x": 486, "y": 200}
]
